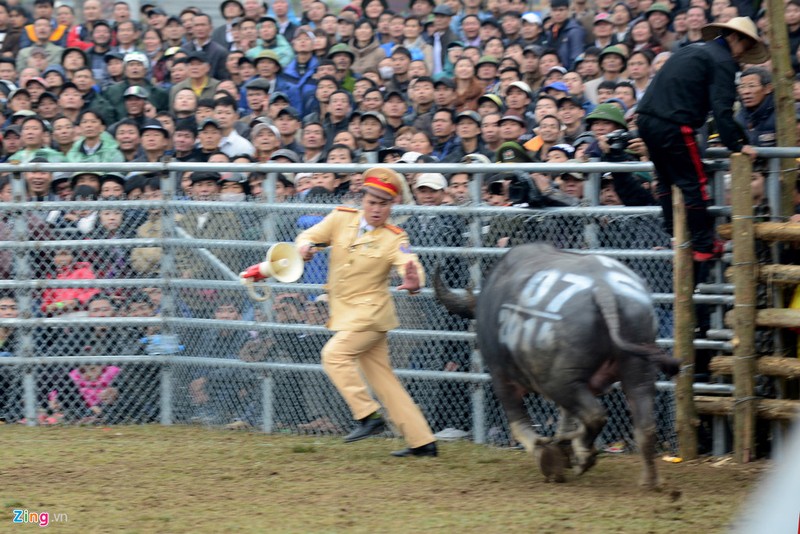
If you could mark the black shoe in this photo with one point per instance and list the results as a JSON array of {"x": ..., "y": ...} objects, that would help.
[
  {"x": 366, "y": 428},
  {"x": 425, "y": 450}
]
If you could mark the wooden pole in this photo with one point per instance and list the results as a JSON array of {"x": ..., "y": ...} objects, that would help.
[
  {"x": 744, "y": 297},
  {"x": 782, "y": 81},
  {"x": 781, "y": 366},
  {"x": 767, "y": 231},
  {"x": 770, "y": 318},
  {"x": 684, "y": 317},
  {"x": 774, "y": 274},
  {"x": 773, "y": 409}
]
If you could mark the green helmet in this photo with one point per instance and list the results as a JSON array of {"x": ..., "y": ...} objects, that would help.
[
  {"x": 616, "y": 50},
  {"x": 608, "y": 112},
  {"x": 268, "y": 54},
  {"x": 340, "y": 48}
]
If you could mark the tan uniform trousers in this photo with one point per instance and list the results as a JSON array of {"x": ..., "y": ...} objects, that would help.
[{"x": 347, "y": 353}]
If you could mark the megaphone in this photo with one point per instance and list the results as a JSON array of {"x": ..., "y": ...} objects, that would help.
[{"x": 283, "y": 263}]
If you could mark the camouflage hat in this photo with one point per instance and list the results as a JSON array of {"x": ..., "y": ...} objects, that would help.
[
  {"x": 271, "y": 55},
  {"x": 512, "y": 152},
  {"x": 608, "y": 112},
  {"x": 341, "y": 48}
]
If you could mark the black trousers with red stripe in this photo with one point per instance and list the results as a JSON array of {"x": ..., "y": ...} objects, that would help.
[{"x": 676, "y": 157}]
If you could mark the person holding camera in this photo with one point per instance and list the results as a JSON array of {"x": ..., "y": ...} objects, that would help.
[
  {"x": 696, "y": 80},
  {"x": 614, "y": 143}
]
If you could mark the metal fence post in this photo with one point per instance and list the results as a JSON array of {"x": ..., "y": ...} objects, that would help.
[
  {"x": 478, "y": 399},
  {"x": 267, "y": 393},
  {"x": 23, "y": 271},
  {"x": 166, "y": 394},
  {"x": 168, "y": 270}
]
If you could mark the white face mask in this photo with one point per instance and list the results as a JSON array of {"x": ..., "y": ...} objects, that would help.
[
  {"x": 386, "y": 72},
  {"x": 232, "y": 197}
]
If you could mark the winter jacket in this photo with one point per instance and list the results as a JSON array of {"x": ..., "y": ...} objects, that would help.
[
  {"x": 107, "y": 153},
  {"x": 368, "y": 57},
  {"x": 759, "y": 123},
  {"x": 76, "y": 271}
]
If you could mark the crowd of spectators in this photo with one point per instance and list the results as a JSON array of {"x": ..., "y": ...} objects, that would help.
[{"x": 459, "y": 81}]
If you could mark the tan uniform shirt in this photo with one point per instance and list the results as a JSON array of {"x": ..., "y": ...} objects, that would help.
[{"x": 359, "y": 270}]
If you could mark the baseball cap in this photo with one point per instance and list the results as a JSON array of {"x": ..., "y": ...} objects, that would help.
[
  {"x": 434, "y": 180},
  {"x": 260, "y": 127},
  {"x": 443, "y": 9},
  {"x": 289, "y": 110},
  {"x": 137, "y": 91},
  {"x": 469, "y": 114},
  {"x": 557, "y": 86},
  {"x": 208, "y": 122},
  {"x": 137, "y": 56},
  {"x": 291, "y": 155},
  {"x": 532, "y": 18},
  {"x": 520, "y": 85},
  {"x": 515, "y": 118},
  {"x": 375, "y": 115}
]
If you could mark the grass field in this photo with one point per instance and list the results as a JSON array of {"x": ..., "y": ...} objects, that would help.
[{"x": 188, "y": 479}]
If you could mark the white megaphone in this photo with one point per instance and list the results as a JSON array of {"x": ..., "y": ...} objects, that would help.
[{"x": 283, "y": 263}]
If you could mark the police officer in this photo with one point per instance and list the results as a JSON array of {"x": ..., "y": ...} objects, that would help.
[
  {"x": 363, "y": 250},
  {"x": 695, "y": 80}
]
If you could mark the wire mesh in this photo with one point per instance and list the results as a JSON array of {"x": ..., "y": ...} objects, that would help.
[{"x": 180, "y": 260}]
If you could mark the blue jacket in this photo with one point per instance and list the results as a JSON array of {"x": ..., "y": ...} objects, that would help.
[
  {"x": 282, "y": 85},
  {"x": 569, "y": 42},
  {"x": 302, "y": 82}
]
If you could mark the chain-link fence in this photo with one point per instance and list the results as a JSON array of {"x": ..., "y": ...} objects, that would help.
[{"x": 132, "y": 312}]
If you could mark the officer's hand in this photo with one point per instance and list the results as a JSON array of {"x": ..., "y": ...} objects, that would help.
[
  {"x": 411, "y": 278},
  {"x": 749, "y": 151},
  {"x": 307, "y": 251}
]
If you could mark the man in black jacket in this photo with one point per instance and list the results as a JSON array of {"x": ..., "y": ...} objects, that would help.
[{"x": 695, "y": 80}]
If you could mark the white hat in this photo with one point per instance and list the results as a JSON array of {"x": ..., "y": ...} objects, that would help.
[
  {"x": 532, "y": 18},
  {"x": 410, "y": 157},
  {"x": 137, "y": 56},
  {"x": 745, "y": 26},
  {"x": 434, "y": 180}
]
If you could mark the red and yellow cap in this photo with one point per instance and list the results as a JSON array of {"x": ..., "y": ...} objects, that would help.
[{"x": 382, "y": 182}]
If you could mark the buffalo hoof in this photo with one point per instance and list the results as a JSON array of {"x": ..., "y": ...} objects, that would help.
[
  {"x": 552, "y": 462},
  {"x": 586, "y": 463}
]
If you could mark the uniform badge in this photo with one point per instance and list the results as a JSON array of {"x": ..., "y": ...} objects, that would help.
[{"x": 405, "y": 248}]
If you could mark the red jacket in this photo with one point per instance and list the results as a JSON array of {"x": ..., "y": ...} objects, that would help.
[{"x": 76, "y": 271}]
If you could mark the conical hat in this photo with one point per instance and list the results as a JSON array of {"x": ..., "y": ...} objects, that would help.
[{"x": 745, "y": 26}]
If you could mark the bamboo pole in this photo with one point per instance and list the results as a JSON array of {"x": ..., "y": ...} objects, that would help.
[
  {"x": 770, "y": 317},
  {"x": 782, "y": 81},
  {"x": 683, "y": 350},
  {"x": 780, "y": 409},
  {"x": 766, "y": 365},
  {"x": 767, "y": 231},
  {"x": 774, "y": 274},
  {"x": 744, "y": 351}
]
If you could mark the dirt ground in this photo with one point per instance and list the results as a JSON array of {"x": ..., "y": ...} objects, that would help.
[{"x": 186, "y": 479}]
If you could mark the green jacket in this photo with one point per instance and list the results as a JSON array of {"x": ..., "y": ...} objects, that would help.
[
  {"x": 114, "y": 94},
  {"x": 25, "y": 155},
  {"x": 281, "y": 46},
  {"x": 107, "y": 153}
]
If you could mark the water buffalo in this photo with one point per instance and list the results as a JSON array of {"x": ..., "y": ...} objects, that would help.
[{"x": 567, "y": 326}]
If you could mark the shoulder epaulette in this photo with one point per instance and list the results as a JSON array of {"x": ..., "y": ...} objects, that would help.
[
  {"x": 349, "y": 210},
  {"x": 394, "y": 229}
]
